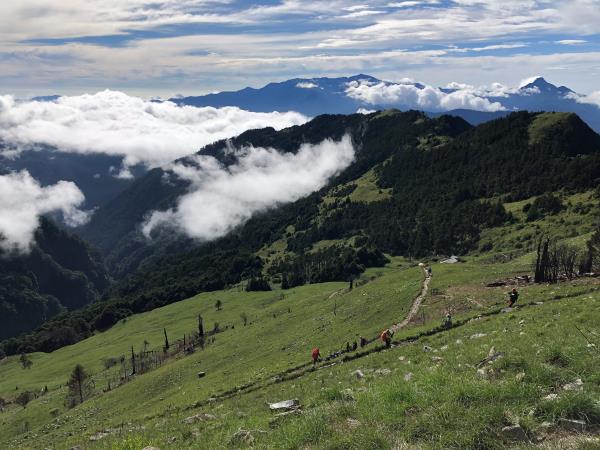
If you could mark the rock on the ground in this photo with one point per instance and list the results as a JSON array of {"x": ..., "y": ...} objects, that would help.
[
  {"x": 572, "y": 425},
  {"x": 408, "y": 376},
  {"x": 514, "y": 433},
  {"x": 437, "y": 359},
  {"x": 151, "y": 448},
  {"x": 426, "y": 348},
  {"x": 201, "y": 374},
  {"x": 478, "y": 335},
  {"x": 358, "y": 374},
  {"x": 551, "y": 397},
  {"x": 99, "y": 435},
  {"x": 383, "y": 372},
  {"x": 576, "y": 385},
  {"x": 520, "y": 376},
  {"x": 286, "y": 404},
  {"x": 242, "y": 436}
]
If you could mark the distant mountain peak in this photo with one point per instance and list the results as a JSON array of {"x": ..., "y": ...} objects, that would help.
[{"x": 542, "y": 85}]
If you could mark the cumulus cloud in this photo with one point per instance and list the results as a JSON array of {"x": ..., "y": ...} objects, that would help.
[
  {"x": 427, "y": 98},
  {"x": 23, "y": 201},
  {"x": 221, "y": 198},
  {"x": 141, "y": 131}
]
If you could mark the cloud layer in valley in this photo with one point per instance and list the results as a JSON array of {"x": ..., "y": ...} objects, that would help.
[
  {"x": 22, "y": 203},
  {"x": 427, "y": 98},
  {"x": 221, "y": 198},
  {"x": 141, "y": 131}
]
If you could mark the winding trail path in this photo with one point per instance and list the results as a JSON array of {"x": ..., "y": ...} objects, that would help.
[{"x": 416, "y": 304}]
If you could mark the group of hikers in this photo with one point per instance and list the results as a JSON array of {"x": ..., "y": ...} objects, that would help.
[{"x": 387, "y": 334}]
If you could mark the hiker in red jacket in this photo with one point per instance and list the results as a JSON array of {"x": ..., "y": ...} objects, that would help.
[
  {"x": 316, "y": 354},
  {"x": 386, "y": 337}
]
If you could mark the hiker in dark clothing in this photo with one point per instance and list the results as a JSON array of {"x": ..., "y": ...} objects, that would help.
[
  {"x": 513, "y": 297},
  {"x": 354, "y": 346},
  {"x": 429, "y": 270},
  {"x": 447, "y": 322},
  {"x": 363, "y": 341}
]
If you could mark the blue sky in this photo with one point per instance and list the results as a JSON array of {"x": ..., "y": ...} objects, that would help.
[{"x": 165, "y": 47}]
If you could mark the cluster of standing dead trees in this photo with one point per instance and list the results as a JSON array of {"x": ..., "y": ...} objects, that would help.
[{"x": 565, "y": 261}]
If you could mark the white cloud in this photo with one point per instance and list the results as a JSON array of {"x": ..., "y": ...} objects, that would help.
[
  {"x": 23, "y": 201},
  {"x": 428, "y": 98},
  {"x": 592, "y": 99},
  {"x": 307, "y": 85},
  {"x": 222, "y": 198},
  {"x": 525, "y": 81},
  {"x": 361, "y": 13},
  {"x": 140, "y": 131},
  {"x": 406, "y": 4},
  {"x": 365, "y": 111},
  {"x": 571, "y": 41}
]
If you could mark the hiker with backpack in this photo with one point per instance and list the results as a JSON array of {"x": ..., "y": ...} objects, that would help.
[{"x": 386, "y": 337}]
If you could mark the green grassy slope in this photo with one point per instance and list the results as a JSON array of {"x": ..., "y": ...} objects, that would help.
[
  {"x": 280, "y": 334},
  {"x": 445, "y": 403}
]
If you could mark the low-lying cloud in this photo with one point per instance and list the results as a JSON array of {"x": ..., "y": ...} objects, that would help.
[
  {"x": 221, "y": 198},
  {"x": 591, "y": 99},
  {"x": 427, "y": 98},
  {"x": 23, "y": 200},
  {"x": 114, "y": 123}
]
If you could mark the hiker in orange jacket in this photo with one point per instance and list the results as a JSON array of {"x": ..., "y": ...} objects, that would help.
[
  {"x": 386, "y": 337},
  {"x": 316, "y": 354}
]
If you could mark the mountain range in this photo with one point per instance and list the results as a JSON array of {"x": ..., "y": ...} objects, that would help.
[{"x": 314, "y": 96}]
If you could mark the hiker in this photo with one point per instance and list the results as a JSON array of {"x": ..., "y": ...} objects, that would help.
[
  {"x": 513, "y": 297},
  {"x": 316, "y": 355},
  {"x": 386, "y": 337},
  {"x": 363, "y": 342},
  {"x": 447, "y": 322},
  {"x": 428, "y": 270},
  {"x": 354, "y": 346}
]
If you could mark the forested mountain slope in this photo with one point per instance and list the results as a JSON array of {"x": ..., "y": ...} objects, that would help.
[{"x": 60, "y": 273}]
